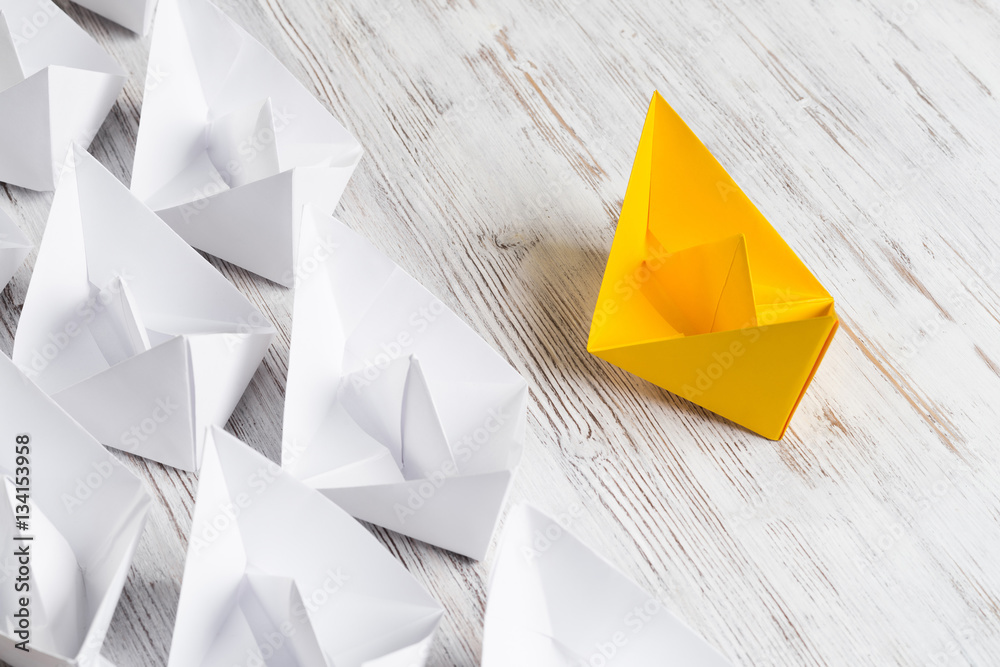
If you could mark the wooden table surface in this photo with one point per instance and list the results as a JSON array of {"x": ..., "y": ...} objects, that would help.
[{"x": 499, "y": 136}]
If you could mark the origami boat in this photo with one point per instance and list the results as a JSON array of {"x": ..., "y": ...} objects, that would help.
[
  {"x": 231, "y": 145},
  {"x": 701, "y": 296},
  {"x": 77, "y": 513},
  {"x": 395, "y": 409},
  {"x": 128, "y": 328},
  {"x": 278, "y": 575},
  {"x": 56, "y": 87}
]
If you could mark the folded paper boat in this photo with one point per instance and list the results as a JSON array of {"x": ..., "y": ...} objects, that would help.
[
  {"x": 83, "y": 514},
  {"x": 231, "y": 145},
  {"x": 701, "y": 296},
  {"x": 555, "y": 603},
  {"x": 130, "y": 329},
  {"x": 56, "y": 87},
  {"x": 278, "y": 575},
  {"x": 395, "y": 408}
]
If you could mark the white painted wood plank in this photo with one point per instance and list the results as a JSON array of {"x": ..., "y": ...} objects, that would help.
[{"x": 499, "y": 139}]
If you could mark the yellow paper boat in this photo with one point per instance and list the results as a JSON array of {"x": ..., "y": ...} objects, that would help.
[{"x": 701, "y": 296}]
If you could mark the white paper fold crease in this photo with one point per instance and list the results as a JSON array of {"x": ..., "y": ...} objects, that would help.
[
  {"x": 86, "y": 515},
  {"x": 555, "y": 603},
  {"x": 231, "y": 145},
  {"x": 56, "y": 87},
  {"x": 395, "y": 408},
  {"x": 128, "y": 328},
  {"x": 277, "y": 575}
]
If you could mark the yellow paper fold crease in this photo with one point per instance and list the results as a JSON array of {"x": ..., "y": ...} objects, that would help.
[{"x": 701, "y": 296}]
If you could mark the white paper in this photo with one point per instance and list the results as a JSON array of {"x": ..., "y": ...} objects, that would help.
[
  {"x": 395, "y": 408},
  {"x": 277, "y": 575},
  {"x": 14, "y": 247},
  {"x": 87, "y": 512},
  {"x": 128, "y": 328},
  {"x": 231, "y": 145},
  {"x": 136, "y": 15},
  {"x": 555, "y": 603},
  {"x": 56, "y": 87}
]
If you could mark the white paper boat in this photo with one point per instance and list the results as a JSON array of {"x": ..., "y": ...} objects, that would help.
[
  {"x": 56, "y": 87},
  {"x": 128, "y": 328},
  {"x": 85, "y": 516},
  {"x": 555, "y": 603},
  {"x": 231, "y": 145},
  {"x": 277, "y": 575},
  {"x": 395, "y": 408}
]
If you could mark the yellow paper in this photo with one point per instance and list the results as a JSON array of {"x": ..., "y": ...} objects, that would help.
[{"x": 701, "y": 296}]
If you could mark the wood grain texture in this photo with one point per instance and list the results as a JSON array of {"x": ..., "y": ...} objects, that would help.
[{"x": 499, "y": 136}]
